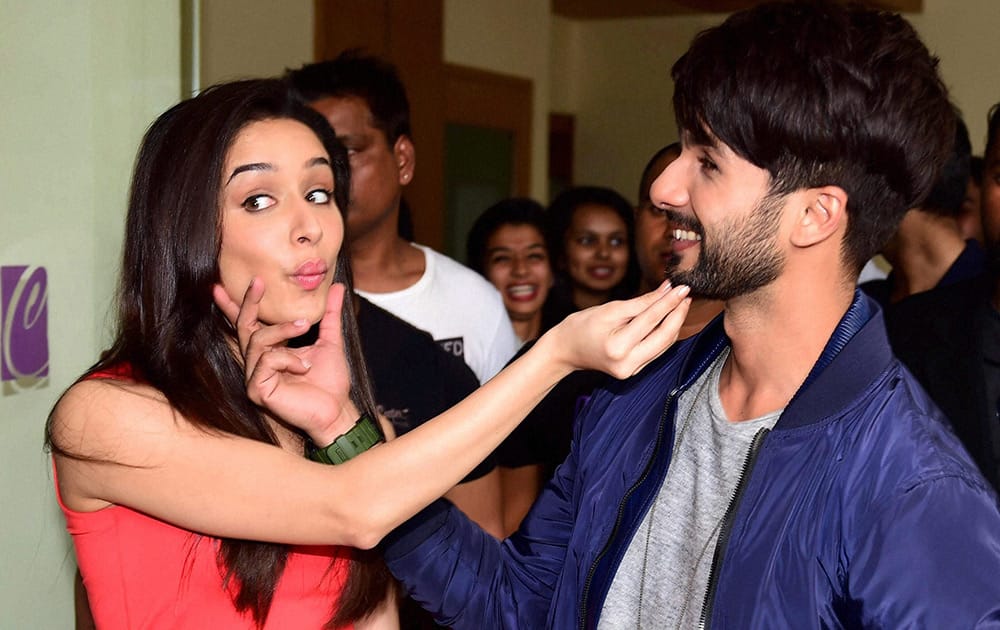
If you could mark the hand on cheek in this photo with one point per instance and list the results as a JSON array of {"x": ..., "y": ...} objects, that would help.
[{"x": 308, "y": 387}]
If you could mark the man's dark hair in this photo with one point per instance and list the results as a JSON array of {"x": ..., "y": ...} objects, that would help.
[
  {"x": 648, "y": 176},
  {"x": 355, "y": 74},
  {"x": 818, "y": 93},
  {"x": 976, "y": 165},
  {"x": 948, "y": 193}
]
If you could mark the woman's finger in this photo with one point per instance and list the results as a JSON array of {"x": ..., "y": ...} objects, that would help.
[
  {"x": 643, "y": 337},
  {"x": 627, "y": 309},
  {"x": 656, "y": 306},
  {"x": 656, "y": 341}
]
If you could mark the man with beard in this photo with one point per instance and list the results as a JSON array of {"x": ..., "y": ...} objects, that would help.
[
  {"x": 781, "y": 469},
  {"x": 656, "y": 238}
]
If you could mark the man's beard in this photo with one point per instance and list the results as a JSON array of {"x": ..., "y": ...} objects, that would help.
[{"x": 740, "y": 258}]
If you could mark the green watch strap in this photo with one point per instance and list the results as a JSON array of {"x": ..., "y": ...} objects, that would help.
[{"x": 361, "y": 437}]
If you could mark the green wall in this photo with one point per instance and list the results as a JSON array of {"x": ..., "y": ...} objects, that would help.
[{"x": 81, "y": 81}]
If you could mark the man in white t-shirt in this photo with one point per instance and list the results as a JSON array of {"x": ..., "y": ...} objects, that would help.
[{"x": 365, "y": 102}]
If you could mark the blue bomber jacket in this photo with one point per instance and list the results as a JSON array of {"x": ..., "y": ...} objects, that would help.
[{"x": 860, "y": 509}]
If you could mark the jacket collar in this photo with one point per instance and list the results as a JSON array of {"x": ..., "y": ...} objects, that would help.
[{"x": 856, "y": 353}]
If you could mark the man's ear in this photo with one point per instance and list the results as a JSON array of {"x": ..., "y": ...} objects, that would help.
[
  {"x": 405, "y": 155},
  {"x": 825, "y": 213}
]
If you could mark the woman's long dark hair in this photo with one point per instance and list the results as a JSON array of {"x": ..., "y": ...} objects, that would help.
[{"x": 176, "y": 340}]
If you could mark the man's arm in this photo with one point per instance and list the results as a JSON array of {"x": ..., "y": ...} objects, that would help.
[
  {"x": 468, "y": 579},
  {"x": 931, "y": 558}
]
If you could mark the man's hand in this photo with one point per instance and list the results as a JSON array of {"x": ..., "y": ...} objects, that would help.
[{"x": 308, "y": 387}]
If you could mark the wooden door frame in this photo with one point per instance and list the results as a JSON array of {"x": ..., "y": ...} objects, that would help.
[
  {"x": 480, "y": 98},
  {"x": 410, "y": 36}
]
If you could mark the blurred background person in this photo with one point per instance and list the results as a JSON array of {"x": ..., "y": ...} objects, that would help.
[
  {"x": 928, "y": 249},
  {"x": 970, "y": 220},
  {"x": 949, "y": 337},
  {"x": 590, "y": 232},
  {"x": 507, "y": 246}
]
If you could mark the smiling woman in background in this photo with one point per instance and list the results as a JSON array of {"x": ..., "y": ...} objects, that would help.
[
  {"x": 507, "y": 246},
  {"x": 590, "y": 236}
]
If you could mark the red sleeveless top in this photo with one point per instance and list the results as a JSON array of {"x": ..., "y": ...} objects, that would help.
[{"x": 141, "y": 572}]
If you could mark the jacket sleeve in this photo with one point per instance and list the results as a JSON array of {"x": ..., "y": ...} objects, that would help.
[
  {"x": 931, "y": 558},
  {"x": 468, "y": 579}
]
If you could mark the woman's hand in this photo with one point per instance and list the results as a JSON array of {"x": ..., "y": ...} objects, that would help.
[
  {"x": 308, "y": 387},
  {"x": 620, "y": 337}
]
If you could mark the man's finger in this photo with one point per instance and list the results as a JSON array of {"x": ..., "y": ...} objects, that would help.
[
  {"x": 247, "y": 322},
  {"x": 329, "y": 327},
  {"x": 225, "y": 303},
  {"x": 268, "y": 338}
]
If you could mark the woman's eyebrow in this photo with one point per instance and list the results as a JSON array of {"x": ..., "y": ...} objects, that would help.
[
  {"x": 266, "y": 166},
  {"x": 254, "y": 166}
]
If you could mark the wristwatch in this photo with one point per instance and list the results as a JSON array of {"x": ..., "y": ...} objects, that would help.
[{"x": 361, "y": 437}]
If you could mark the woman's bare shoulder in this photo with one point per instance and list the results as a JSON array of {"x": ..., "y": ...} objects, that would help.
[{"x": 96, "y": 417}]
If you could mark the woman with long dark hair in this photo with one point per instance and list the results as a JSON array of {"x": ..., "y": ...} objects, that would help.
[
  {"x": 181, "y": 456},
  {"x": 506, "y": 244},
  {"x": 591, "y": 234}
]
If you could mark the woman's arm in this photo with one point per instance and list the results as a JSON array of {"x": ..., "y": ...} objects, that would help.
[{"x": 144, "y": 456}]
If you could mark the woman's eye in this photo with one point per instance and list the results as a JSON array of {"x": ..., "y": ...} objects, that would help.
[
  {"x": 256, "y": 203},
  {"x": 616, "y": 241},
  {"x": 538, "y": 257},
  {"x": 319, "y": 196},
  {"x": 707, "y": 164},
  {"x": 499, "y": 260}
]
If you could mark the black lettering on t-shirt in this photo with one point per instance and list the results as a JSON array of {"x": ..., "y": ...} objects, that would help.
[{"x": 454, "y": 346}]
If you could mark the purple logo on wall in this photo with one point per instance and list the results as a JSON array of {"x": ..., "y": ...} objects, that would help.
[{"x": 24, "y": 328}]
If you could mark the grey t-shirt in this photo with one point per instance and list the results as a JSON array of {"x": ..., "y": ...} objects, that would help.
[{"x": 662, "y": 579}]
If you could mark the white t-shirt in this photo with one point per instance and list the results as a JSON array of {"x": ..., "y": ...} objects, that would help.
[{"x": 460, "y": 309}]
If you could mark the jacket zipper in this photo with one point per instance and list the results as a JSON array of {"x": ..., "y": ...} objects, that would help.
[
  {"x": 727, "y": 526},
  {"x": 621, "y": 509}
]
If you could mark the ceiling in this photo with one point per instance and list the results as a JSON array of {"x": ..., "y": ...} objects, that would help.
[{"x": 609, "y": 9}]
